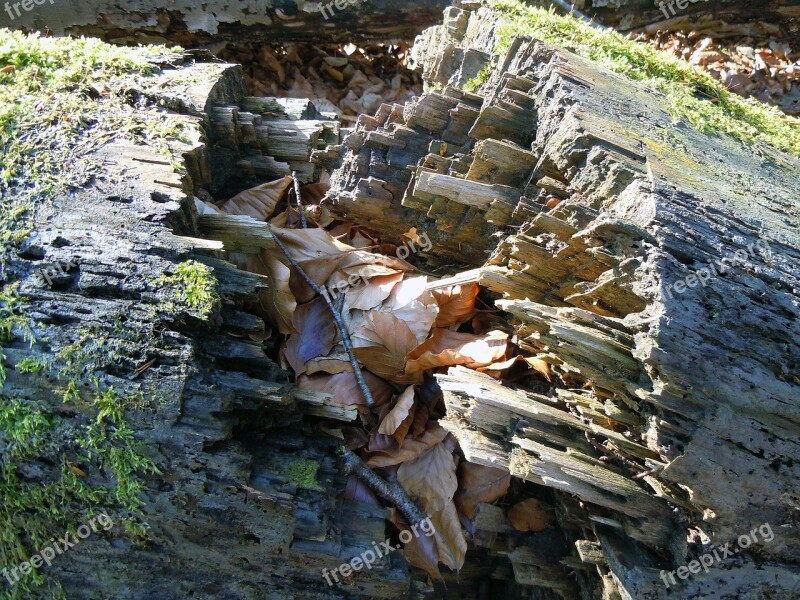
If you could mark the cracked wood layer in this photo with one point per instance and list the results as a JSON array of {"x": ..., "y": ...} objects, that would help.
[
  {"x": 219, "y": 419},
  {"x": 548, "y": 447},
  {"x": 602, "y": 261},
  {"x": 192, "y": 24}
]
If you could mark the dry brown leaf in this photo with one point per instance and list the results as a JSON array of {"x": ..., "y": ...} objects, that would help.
[
  {"x": 332, "y": 364},
  {"x": 528, "y": 515},
  {"x": 258, "y": 202},
  {"x": 448, "y": 348},
  {"x": 313, "y": 193},
  {"x": 316, "y": 334},
  {"x": 456, "y": 304},
  {"x": 367, "y": 297},
  {"x": 411, "y": 447},
  {"x": 310, "y": 244},
  {"x": 431, "y": 479},
  {"x": 277, "y": 303},
  {"x": 399, "y": 413},
  {"x": 402, "y": 431},
  {"x": 539, "y": 365},
  {"x": 381, "y": 342},
  {"x": 496, "y": 369},
  {"x": 421, "y": 416},
  {"x": 382, "y": 443},
  {"x": 344, "y": 388},
  {"x": 421, "y": 551},
  {"x": 357, "y": 491},
  {"x": 477, "y": 483},
  {"x": 411, "y": 302}
]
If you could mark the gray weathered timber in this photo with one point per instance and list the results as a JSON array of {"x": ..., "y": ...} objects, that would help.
[
  {"x": 192, "y": 23},
  {"x": 605, "y": 285}
]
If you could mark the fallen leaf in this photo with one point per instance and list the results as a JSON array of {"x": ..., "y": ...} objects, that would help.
[
  {"x": 456, "y": 304},
  {"x": 357, "y": 491},
  {"x": 313, "y": 193},
  {"x": 344, "y": 388},
  {"x": 421, "y": 551},
  {"x": 405, "y": 426},
  {"x": 411, "y": 302},
  {"x": 477, "y": 483},
  {"x": 539, "y": 365},
  {"x": 258, "y": 202},
  {"x": 431, "y": 479},
  {"x": 276, "y": 304},
  {"x": 381, "y": 342},
  {"x": 399, "y": 413},
  {"x": 410, "y": 448},
  {"x": 333, "y": 363},
  {"x": 367, "y": 297},
  {"x": 316, "y": 334},
  {"x": 448, "y": 348},
  {"x": 421, "y": 416},
  {"x": 528, "y": 515},
  {"x": 382, "y": 443}
]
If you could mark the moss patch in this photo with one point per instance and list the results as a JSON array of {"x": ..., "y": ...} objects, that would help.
[
  {"x": 303, "y": 473},
  {"x": 690, "y": 93},
  {"x": 60, "y": 99},
  {"x": 195, "y": 286}
]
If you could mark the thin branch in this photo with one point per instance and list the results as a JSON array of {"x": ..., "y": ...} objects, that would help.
[
  {"x": 337, "y": 318},
  {"x": 388, "y": 490},
  {"x": 299, "y": 198}
]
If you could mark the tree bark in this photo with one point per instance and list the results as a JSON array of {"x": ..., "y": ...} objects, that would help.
[
  {"x": 191, "y": 24},
  {"x": 248, "y": 501},
  {"x": 682, "y": 421}
]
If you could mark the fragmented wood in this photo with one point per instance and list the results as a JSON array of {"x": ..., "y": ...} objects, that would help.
[{"x": 636, "y": 259}]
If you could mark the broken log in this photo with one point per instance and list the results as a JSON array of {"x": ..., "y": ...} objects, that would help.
[
  {"x": 191, "y": 25},
  {"x": 632, "y": 256},
  {"x": 241, "y": 498}
]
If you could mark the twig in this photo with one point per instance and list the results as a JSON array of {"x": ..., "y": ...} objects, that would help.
[
  {"x": 388, "y": 490},
  {"x": 337, "y": 318},
  {"x": 299, "y": 198}
]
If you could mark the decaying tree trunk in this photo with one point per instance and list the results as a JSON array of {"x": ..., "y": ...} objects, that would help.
[
  {"x": 192, "y": 24},
  {"x": 683, "y": 418},
  {"x": 248, "y": 502},
  {"x": 683, "y": 424}
]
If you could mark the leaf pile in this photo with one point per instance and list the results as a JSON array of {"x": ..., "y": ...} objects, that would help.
[{"x": 402, "y": 328}]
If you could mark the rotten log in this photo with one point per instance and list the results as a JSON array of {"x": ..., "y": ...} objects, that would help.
[
  {"x": 247, "y": 499},
  {"x": 682, "y": 432},
  {"x": 191, "y": 25}
]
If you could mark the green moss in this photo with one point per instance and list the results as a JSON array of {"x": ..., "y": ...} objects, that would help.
[
  {"x": 195, "y": 286},
  {"x": 60, "y": 97},
  {"x": 690, "y": 93},
  {"x": 303, "y": 473},
  {"x": 476, "y": 82}
]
